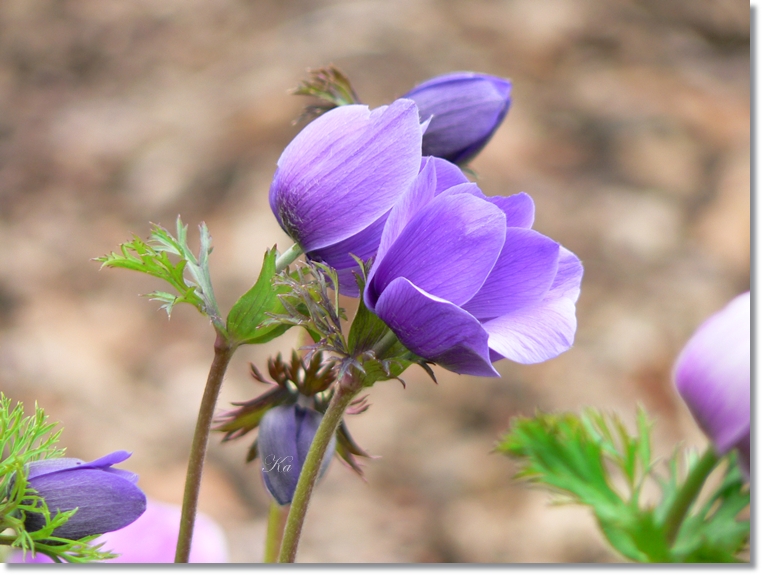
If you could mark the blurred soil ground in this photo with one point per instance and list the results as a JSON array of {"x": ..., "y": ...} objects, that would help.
[{"x": 630, "y": 128}]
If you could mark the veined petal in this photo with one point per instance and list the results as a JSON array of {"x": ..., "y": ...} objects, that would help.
[
  {"x": 518, "y": 209},
  {"x": 713, "y": 374},
  {"x": 46, "y": 466},
  {"x": 448, "y": 174},
  {"x": 419, "y": 194},
  {"x": 521, "y": 277},
  {"x": 569, "y": 277},
  {"x": 447, "y": 249},
  {"x": 536, "y": 333},
  {"x": 465, "y": 110},
  {"x": 344, "y": 171},
  {"x": 104, "y": 501},
  {"x": 435, "y": 329}
]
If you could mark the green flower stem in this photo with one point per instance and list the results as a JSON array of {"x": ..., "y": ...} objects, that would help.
[
  {"x": 275, "y": 523},
  {"x": 223, "y": 351},
  {"x": 347, "y": 389},
  {"x": 688, "y": 493},
  {"x": 287, "y": 257},
  {"x": 385, "y": 343}
]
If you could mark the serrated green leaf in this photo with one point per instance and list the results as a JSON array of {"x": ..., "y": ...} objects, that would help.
[
  {"x": 246, "y": 318},
  {"x": 573, "y": 455},
  {"x": 153, "y": 258}
]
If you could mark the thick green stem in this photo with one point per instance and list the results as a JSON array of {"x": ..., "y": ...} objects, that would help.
[
  {"x": 287, "y": 257},
  {"x": 223, "y": 351},
  {"x": 386, "y": 342},
  {"x": 347, "y": 389},
  {"x": 275, "y": 523},
  {"x": 688, "y": 493}
]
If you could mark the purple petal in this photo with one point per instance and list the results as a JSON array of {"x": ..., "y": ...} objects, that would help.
[
  {"x": 534, "y": 334},
  {"x": 104, "y": 501},
  {"x": 285, "y": 436},
  {"x": 447, "y": 249},
  {"x": 107, "y": 460},
  {"x": 418, "y": 195},
  {"x": 448, "y": 174},
  {"x": 465, "y": 110},
  {"x": 46, "y": 466},
  {"x": 278, "y": 452},
  {"x": 518, "y": 209},
  {"x": 713, "y": 374},
  {"x": 521, "y": 277},
  {"x": 435, "y": 329},
  {"x": 569, "y": 277},
  {"x": 344, "y": 171}
]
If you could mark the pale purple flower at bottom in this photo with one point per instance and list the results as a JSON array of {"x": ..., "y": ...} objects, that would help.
[
  {"x": 713, "y": 376},
  {"x": 153, "y": 539}
]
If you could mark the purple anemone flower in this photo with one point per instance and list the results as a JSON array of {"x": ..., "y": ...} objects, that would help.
[
  {"x": 285, "y": 435},
  {"x": 465, "y": 110},
  {"x": 106, "y": 499},
  {"x": 713, "y": 376},
  {"x": 463, "y": 280},
  {"x": 152, "y": 538},
  {"x": 338, "y": 179}
]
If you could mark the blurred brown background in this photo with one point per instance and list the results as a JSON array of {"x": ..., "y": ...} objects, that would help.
[{"x": 629, "y": 127}]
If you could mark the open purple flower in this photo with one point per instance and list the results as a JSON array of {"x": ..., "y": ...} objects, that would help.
[
  {"x": 285, "y": 436},
  {"x": 338, "y": 179},
  {"x": 106, "y": 498},
  {"x": 463, "y": 280},
  {"x": 465, "y": 110},
  {"x": 713, "y": 376}
]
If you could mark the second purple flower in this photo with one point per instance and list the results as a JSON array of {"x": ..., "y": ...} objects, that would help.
[{"x": 463, "y": 280}]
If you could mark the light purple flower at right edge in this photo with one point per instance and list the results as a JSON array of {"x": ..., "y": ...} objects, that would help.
[
  {"x": 713, "y": 376},
  {"x": 465, "y": 109},
  {"x": 464, "y": 281}
]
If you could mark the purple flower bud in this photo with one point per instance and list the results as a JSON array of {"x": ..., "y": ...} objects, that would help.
[
  {"x": 106, "y": 499},
  {"x": 285, "y": 435},
  {"x": 465, "y": 110},
  {"x": 713, "y": 376},
  {"x": 463, "y": 280},
  {"x": 338, "y": 179}
]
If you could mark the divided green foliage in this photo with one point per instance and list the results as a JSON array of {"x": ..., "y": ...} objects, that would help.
[
  {"x": 153, "y": 258},
  {"x": 23, "y": 440},
  {"x": 575, "y": 456}
]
